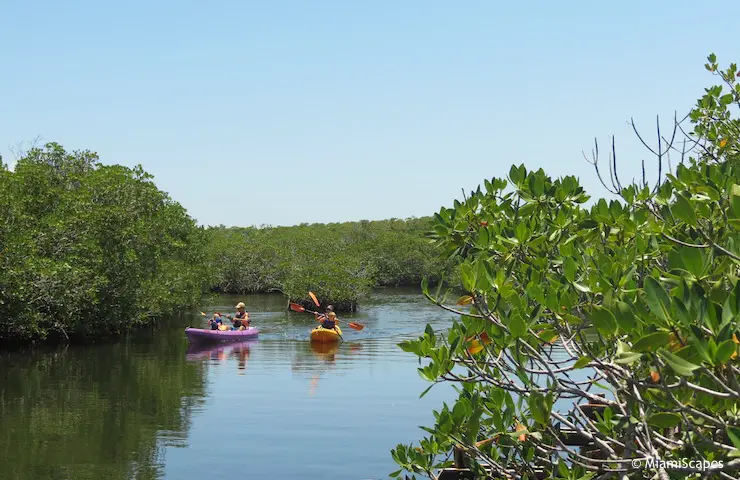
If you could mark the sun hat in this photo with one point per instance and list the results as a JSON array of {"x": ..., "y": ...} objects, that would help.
[{"x": 240, "y": 305}]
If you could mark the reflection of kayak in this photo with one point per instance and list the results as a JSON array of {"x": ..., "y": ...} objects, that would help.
[
  {"x": 201, "y": 335},
  {"x": 218, "y": 351},
  {"x": 324, "y": 335},
  {"x": 324, "y": 349}
]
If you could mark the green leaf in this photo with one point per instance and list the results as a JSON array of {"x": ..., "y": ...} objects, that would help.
[
  {"x": 678, "y": 364},
  {"x": 602, "y": 386},
  {"x": 628, "y": 358},
  {"x": 430, "y": 333},
  {"x": 563, "y": 469},
  {"x": 734, "y": 434},
  {"x": 581, "y": 362},
  {"x": 701, "y": 346},
  {"x": 425, "y": 286},
  {"x": 454, "y": 344},
  {"x": 693, "y": 260},
  {"x": 569, "y": 269},
  {"x": 426, "y": 390},
  {"x": 517, "y": 326},
  {"x": 539, "y": 185},
  {"x": 651, "y": 342},
  {"x": 727, "y": 313},
  {"x": 683, "y": 210},
  {"x": 538, "y": 408},
  {"x": 664, "y": 419},
  {"x": 657, "y": 298},
  {"x": 468, "y": 277},
  {"x": 625, "y": 317},
  {"x": 522, "y": 232},
  {"x": 603, "y": 320},
  {"x": 514, "y": 175},
  {"x": 581, "y": 288},
  {"x": 410, "y": 346},
  {"x": 483, "y": 278},
  {"x": 724, "y": 351},
  {"x": 441, "y": 230},
  {"x": 735, "y": 200}
]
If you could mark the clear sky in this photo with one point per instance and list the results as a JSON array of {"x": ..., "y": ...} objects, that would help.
[{"x": 282, "y": 112}]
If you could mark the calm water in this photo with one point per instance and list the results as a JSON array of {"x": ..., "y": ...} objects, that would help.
[{"x": 276, "y": 407}]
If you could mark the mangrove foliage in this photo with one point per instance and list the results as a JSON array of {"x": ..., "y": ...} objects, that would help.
[
  {"x": 631, "y": 306},
  {"x": 339, "y": 262},
  {"x": 90, "y": 250}
]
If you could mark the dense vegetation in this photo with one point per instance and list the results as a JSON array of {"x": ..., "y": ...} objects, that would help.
[
  {"x": 637, "y": 298},
  {"x": 339, "y": 262},
  {"x": 90, "y": 250}
]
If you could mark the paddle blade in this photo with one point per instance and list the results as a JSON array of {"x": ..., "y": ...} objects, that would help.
[
  {"x": 297, "y": 308},
  {"x": 315, "y": 300},
  {"x": 356, "y": 326},
  {"x": 203, "y": 313}
]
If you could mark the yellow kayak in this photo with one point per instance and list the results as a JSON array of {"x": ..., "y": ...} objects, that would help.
[{"x": 323, "y": 335}]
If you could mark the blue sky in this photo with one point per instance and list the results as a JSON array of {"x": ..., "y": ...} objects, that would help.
[{"x": 285, "y": 112}]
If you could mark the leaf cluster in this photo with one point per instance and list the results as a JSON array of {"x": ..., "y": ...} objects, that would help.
[{"x": 636, "y": 299}]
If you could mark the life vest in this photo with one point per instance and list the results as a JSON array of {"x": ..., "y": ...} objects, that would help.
[{"x": 328, "y": 323}]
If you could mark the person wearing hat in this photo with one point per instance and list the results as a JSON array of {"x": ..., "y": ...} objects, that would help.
[
  {"x": 329, "y": 319},
  {"x": 241, "y": 319}
]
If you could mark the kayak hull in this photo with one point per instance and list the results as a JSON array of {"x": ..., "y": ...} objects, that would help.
[
  {"x": 201, "y": 335},
  {"x": 323, "y": 335}
]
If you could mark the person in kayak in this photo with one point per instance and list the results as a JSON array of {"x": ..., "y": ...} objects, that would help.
[
  {"x": 216, "y": 321},
  {"x": 329, "y": 319},
  {"x": 241, "y": 319}
]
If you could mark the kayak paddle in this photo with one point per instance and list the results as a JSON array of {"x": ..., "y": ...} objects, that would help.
[
  {"x": 298, "y": 308},
  {"x": 315, "y": 300}
]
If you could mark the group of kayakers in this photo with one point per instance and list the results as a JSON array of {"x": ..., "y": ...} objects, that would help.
[{"x": 241, "y": 321}]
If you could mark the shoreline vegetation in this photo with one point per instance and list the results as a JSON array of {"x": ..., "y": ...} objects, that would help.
[
  {"x": 91, "y": 251},
  {"x": 339, "y": 262}
]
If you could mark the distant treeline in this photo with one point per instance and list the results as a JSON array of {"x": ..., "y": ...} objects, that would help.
[
  {"x": 339, "y": 262},
  {"x": 90, "y": 250}
]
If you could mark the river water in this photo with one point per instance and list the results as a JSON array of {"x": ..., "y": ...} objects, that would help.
[{"x": 149, "y": 407}]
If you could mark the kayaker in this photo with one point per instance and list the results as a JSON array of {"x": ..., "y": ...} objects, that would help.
[
  {"x": 241, "y": 319},
  {"x": 329, "y": 319},
  {"x": 216, "y": 321}
]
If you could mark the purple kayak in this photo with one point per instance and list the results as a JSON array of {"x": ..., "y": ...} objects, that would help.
[{"x": 201, "y": 335}]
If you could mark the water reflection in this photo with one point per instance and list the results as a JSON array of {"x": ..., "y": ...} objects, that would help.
[
  {"x": 158, "y": 408},
  {"x": 218, "y": 353},
  {"x": 105, "y": 411}
]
